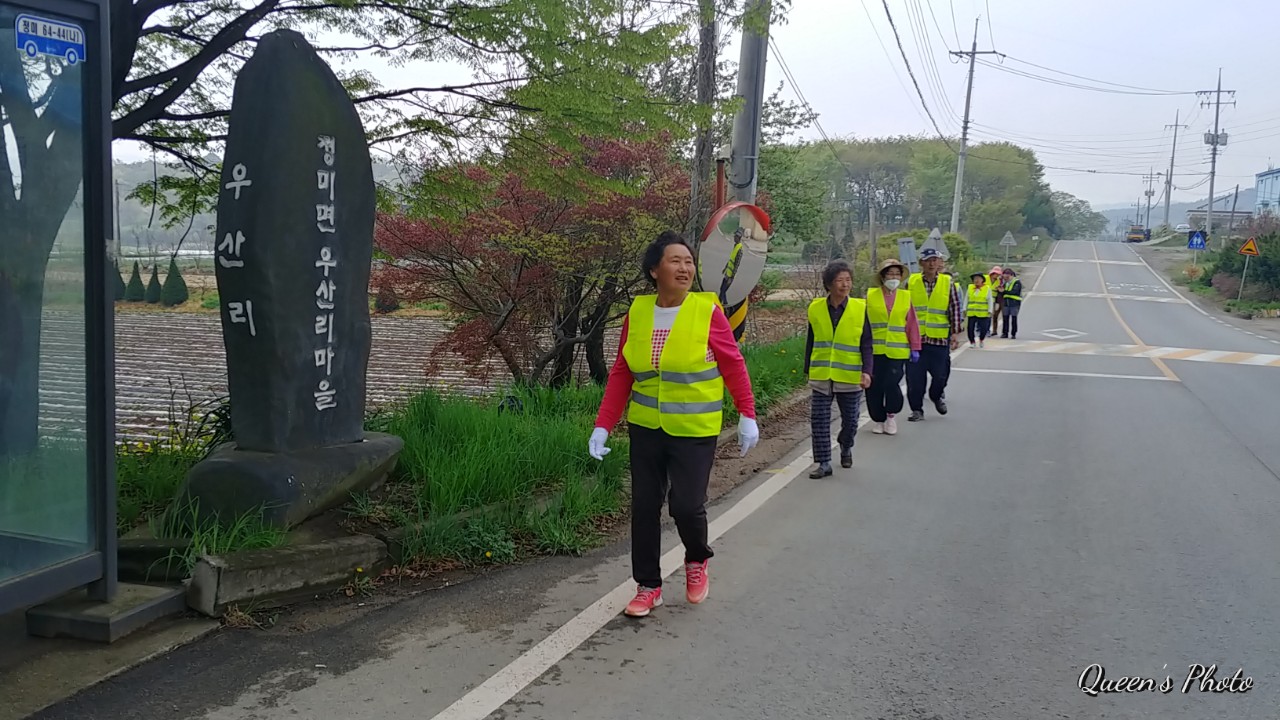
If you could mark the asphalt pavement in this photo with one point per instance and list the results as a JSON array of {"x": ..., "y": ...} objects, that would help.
[{"x": 1103, "y": 491}]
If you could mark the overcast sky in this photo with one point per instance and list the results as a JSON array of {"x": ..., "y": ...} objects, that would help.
[
  {"x": 844, "y": 58},
  {"x": 861, "y": 88}
]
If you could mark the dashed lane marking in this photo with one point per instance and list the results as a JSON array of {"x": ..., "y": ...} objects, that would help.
[{"x": 1100, "y": 262}]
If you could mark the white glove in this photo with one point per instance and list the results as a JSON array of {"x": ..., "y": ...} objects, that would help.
[
  {"x": 596, "y": 445},
  {"x": 748, "y": 434}
]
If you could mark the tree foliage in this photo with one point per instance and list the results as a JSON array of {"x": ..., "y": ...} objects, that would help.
[
  {"x": 135, "y": 291},
  {"x": 155, "y": 290},
  {"x": 1076, "y": 219},
  {"x": 175, "y": 291},
  {"x": 532, "y": 275}
]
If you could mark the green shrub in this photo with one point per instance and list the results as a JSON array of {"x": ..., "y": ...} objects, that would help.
[
  {"x": 118, "y": 287},
  {"x": 135, "y": 291},
  {"x": 154, "y": 290},
  {"x": 174, "y": 292}
]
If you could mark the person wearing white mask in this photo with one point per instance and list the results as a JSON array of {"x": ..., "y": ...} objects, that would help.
[
  {"x": 676, "y": 357},
  {"x": 896, "y": 338}
]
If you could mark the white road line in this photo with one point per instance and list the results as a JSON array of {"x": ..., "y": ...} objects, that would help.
[
  {"x": 992, "y": 371},
  {"x": 1172, "y": 289},
  {"x": 508, "y": 682}
]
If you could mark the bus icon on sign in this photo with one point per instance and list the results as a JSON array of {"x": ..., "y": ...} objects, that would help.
[{"x": 38, "y": 36}]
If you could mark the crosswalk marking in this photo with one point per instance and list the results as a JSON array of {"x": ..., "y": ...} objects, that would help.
[
  {"x": 1113, "y": 296},
  {"x": 1226, "y": 357},
  {"x": 1090, "y": 260}
]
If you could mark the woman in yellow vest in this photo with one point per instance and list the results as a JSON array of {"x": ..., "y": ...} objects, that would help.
[
  {"x": 676, "y": 357},
  {"x": 979, "y": 301},
  {"x": 895, "y": 333},
  {"x": 995, "y": 281},
  {"x": 838, "y": 361}
]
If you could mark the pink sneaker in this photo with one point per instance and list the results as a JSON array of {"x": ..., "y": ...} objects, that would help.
[
  {"x": 877, "y": 428},
  {"x": 695, "y": 581},
  {"x": 645, "y": 600},
  {"x": 891, "y": 425}
]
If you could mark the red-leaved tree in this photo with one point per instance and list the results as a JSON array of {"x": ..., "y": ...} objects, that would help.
[{"x": 533, "y": 275}]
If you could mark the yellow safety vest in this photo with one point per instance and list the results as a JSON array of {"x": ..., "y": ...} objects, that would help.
[
  {"x": 684, "y": 395},
  {"x": 731, "y": 269},
  {"x": 931, "y": 309},
  {"x": 1008, "y": 294},
  {"x": 836, "y": 355},
  {"x": 978, "y": 301},
  {"x": 889, "y": 329}
]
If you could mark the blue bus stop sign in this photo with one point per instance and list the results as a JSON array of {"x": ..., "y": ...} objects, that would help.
[
  {"x": 1195, "y": 240},
  {"x": 45, "y": 36}
]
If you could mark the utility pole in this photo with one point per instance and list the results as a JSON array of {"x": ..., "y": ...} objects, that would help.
[
  {"x": 871, "y": 229},
  {"x": 1231, "y": 224},
  {"x": 702, "y": 153},
  {"x": 1214, "y": 140},
  {"x": 743, "y": 169},
  {"x": 964, "y": 129},
  {"x": 1168, "y": 181},
  {"x": 1150, "y": 191}
]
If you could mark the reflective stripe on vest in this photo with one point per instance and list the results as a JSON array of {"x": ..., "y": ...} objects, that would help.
[
  {"x": 1008, "y": 295},
  {"x": 931, "y": 309},
  {"x": 684, "y": 395},
  {"x": 889, "y": 329},
  {"x": 978, "y": 301},
  {"x": 836, "y": 355}
]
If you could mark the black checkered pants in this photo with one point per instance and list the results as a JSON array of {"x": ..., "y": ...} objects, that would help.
[{"x": 820, "y": 421}]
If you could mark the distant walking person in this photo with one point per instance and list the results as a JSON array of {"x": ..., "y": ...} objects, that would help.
[
  {"x": 676, "y": 356},
  {"x": 1012, "y": 303},
  {"x": 936, "y": 300},
  {"x": 995, "y": 281},
  {"x": 978, "y": 308},
  {"x": 838, "y": 358},
  {"x": 895, "y": 333}
]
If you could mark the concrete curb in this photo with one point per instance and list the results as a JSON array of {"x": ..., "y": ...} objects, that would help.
[{"x": 277, "y": 576}]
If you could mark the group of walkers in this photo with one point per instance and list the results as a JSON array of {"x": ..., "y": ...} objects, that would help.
[{"x": 677, "y": 355}]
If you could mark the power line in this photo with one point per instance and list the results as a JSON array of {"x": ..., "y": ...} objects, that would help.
[
  {"x": 888, "y": 56},
  {"x": 1102, "y": 82},
  {"x": 912, "y": 74},
  {"x": 990, "y": 34},
  {"x": 1075, "y": 85},
  {"x": 795, "y": 86}
]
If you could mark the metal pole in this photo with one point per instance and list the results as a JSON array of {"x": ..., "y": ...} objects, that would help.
[
  {"x": 1243, "y": 275},
  {"x": 1168, "y": 183},
  {"x": 1231, "y": 223},
  {"x": 743, "y": 169},
  {"x": 964, "y": 134},
  {"x": 872, "y": 228}
]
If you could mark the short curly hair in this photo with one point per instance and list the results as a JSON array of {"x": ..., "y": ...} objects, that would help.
[{"x": 833, "y": 270}]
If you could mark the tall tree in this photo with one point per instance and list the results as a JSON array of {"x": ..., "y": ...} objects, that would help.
[{"x": 545, "y": 73}]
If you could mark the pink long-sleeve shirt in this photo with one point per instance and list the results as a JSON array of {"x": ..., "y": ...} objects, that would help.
[
  {"x": 727, "y": 356},
  {"x": 913, "y": 325}
]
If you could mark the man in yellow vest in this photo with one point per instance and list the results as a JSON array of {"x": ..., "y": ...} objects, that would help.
[
  {"x": 938, "y": 308},
  {"x": 1012, "y": 296},
  {"x": 978, "y": 307},
  {"x": 838, "y": 357}
]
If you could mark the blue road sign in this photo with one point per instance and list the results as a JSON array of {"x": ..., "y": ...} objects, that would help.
[
  {"x": 41, "y": 36},
  {"x": 1195, "y": 240}
]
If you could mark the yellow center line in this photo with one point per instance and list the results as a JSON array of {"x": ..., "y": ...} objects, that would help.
[{"x": 1111, "y": 303}]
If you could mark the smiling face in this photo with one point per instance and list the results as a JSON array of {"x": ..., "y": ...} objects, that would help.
[
  {"x": 931, "y": 266},
  {"x": 841, "y": 287},
  {"x": 675, "y": 272}
]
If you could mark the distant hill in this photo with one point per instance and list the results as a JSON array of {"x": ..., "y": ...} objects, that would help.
[
  {"x": 1121, "y": 217},
  {"x": 141, "y": 232}
]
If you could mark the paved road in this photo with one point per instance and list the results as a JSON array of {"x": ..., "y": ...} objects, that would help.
[{"x": 1079, "y": 505}]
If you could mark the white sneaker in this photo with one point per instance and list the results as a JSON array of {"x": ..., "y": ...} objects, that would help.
[
  {"x": 877, "y": 428},
  {"x": 891, "y": 426},
  {"x": 982, "y": 343}
]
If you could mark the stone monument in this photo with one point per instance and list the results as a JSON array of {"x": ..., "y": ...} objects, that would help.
[{"x": 293, "y": 251}]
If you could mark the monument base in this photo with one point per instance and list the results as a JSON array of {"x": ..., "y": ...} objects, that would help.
[{"x": 288, "y": 488}]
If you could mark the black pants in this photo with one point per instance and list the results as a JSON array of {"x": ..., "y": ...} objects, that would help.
[
  {"x": 981, "y": 325},
  {"x": 935, "y": 362},
  {"x": 674, "y": 469},
  {"x": 1011, "y": 320},
  {"x": 820, "y": 421},
  {"x": 884, "y": 397}
]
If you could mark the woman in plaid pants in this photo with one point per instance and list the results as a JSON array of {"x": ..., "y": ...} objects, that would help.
[{"x": 838, "y": 362}]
